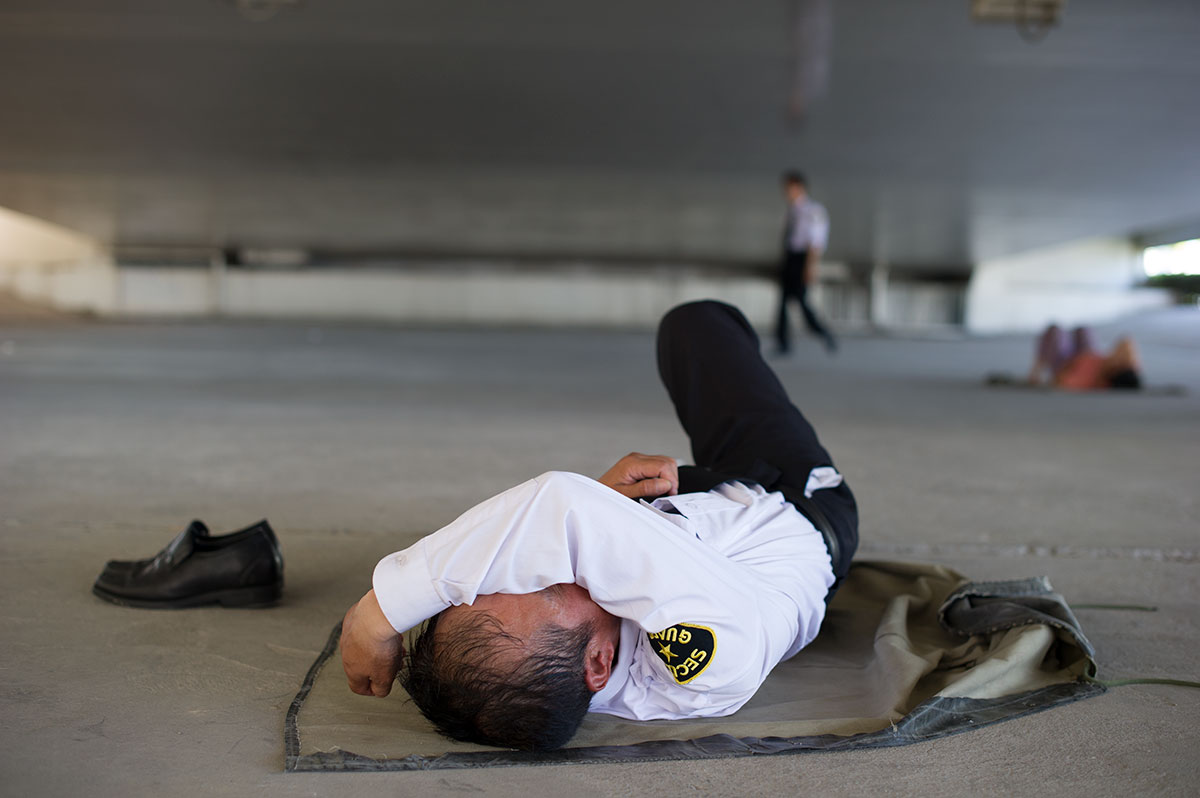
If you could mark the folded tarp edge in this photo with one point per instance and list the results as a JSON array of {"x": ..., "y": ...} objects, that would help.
[
  {"x": 983, "y": 608},
  {"x": 937, "y": 717}
]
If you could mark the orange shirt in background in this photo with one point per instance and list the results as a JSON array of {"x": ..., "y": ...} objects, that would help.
[{"x": 1084, "y": 372}]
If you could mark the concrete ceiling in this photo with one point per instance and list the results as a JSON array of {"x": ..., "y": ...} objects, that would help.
[{"x": 608, "y": 129}]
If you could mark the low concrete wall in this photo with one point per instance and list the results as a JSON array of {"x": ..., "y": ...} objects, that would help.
[
  {"x": 1083, "y": 282},
  {"x": 167, "y": 291},
  {"x": 562, "y": 295},
  {"x": 565, "y": 294},
  {"x": 55, "y": 267}
]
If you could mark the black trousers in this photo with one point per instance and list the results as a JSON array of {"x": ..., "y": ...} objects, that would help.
[
  {"x": 741, "y": 423},
  {"x": 793, "y": 286}
]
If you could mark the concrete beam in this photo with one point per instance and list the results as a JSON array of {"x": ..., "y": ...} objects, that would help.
[{"x": 1083, "y": 282}]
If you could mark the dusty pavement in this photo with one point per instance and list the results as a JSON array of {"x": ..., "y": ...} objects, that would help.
[{"x": 354, "y": 440}]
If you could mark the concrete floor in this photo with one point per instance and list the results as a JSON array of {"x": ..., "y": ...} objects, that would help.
[{"x": 355, "y": 440}]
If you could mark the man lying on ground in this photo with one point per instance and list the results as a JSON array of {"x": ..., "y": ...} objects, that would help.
[{"x": 655, "y": 592}]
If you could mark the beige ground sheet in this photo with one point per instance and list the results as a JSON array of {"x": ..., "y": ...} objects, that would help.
[{"x": 908, "y": 652}]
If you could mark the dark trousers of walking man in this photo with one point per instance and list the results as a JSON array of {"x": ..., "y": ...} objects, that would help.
[{"x": 793, "y": 285}]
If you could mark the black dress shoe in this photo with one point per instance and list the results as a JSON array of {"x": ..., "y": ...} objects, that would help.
[
  {"x": 241, "y": 569},
  {"x": 197, "y": 529}
]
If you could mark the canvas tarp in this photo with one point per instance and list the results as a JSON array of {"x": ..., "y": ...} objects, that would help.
[{"x": 908, "y": 652}]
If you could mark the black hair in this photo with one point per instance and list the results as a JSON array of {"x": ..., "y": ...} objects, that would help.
[
  {"x": 794, "y": 177},
  {"x": 1125, "y": 379},
  {"x": 535, "y": 704}
]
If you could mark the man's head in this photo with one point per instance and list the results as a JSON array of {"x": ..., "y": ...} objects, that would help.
[
  {"x": 795, "y": 185},
  {"x": 513, "y": 670}
]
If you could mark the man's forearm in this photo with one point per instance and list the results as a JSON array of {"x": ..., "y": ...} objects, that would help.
[{"x": 562, "y": 528}]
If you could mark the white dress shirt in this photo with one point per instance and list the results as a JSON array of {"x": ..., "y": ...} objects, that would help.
[
  {"x": 713, "y": 589},
  {"x": 807, "y": 226}
]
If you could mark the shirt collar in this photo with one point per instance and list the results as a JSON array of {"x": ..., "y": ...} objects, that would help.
[{"x": 621, "y": 665}]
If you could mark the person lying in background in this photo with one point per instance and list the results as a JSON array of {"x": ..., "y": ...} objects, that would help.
[{"x": 1072, "y": 362}]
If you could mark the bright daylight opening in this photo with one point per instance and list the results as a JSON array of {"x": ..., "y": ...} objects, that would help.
[{"x": 1182, "y": 257}]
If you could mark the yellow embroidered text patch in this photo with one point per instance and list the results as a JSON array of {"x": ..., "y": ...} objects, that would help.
[{"x": 685, "y": 648}]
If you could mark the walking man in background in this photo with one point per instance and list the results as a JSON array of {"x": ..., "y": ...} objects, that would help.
[{"x": 804, "y": 239}]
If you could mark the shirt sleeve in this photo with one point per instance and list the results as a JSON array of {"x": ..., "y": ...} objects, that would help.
[
  {"x": 819, "y": 230},
  {"x": 562, "y": 527}
]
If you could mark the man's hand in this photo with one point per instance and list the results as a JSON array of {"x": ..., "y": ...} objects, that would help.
[
  {"x": 810, "y": 266},
  {"x": 371, "y": 649},
  {"x": 643, "y": 476}
]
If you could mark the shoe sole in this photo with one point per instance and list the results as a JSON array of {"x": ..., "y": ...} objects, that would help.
[{"x": 261, "y": 596}]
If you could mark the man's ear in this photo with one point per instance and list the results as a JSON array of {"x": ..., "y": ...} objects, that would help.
[{"x": 598, "y": 662}]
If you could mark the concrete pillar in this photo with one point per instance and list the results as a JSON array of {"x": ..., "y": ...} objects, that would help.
[
  {"x": 880, "y": 272},
  {"x": 216, "y": 283},
  {"x": 1079, "y": 282},
  {"x": 880, "y": 269}
]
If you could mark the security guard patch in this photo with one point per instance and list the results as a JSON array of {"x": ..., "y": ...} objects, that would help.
[{"x": 685, "y": 648}]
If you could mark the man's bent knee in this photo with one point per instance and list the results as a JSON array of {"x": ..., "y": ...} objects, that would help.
[{"x": 702, "y": 312}]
